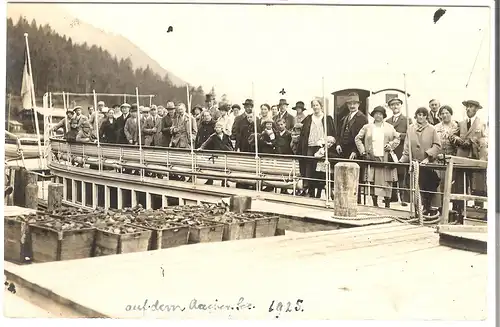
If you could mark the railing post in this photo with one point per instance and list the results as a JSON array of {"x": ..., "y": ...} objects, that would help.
[
  {"x": 447, "y": 192},
  {"x": 225, "y": 169},
  {"x": 294, "y": 182}
]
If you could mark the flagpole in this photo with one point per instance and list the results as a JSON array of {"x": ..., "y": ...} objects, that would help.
[
  {"x": 327, "y": 163},
  {"x": 190, "y": 133},
  {"x": 409, "y": 141},
  {"x": 33, "y": 100},
  {"x": 256, "y": 140}
]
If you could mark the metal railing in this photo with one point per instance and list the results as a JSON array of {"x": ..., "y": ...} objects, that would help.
[{"x": 278, "y": 171}]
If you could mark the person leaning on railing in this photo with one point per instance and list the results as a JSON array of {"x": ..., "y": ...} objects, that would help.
[
  {"x": 425, "y": 147},
  {"x": 64, "y": 124},
  {"x": 86, "y": 134},
  {"x": 375, "y": 141}
]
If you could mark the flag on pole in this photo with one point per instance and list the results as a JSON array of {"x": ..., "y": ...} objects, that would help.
[{"x": 26, "y": 87}]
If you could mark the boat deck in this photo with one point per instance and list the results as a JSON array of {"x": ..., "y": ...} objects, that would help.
[{"x": 389, "y": 271}]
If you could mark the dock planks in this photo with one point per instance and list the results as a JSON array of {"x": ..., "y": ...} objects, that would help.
[{"x": 389, "y": 271}]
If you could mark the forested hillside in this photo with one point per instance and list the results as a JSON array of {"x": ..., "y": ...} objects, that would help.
[{"x": 60, "y": 65}]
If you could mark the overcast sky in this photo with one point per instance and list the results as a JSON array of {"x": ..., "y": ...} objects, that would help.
[{"x": 292, "y": 47}]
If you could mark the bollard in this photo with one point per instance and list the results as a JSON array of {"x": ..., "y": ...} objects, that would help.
[
  {"x": 31, "y": 196},
  {"x": 55, "y": 196},
  {"x": 240, "y": 204},
  {"x": 345, "y": 201}
]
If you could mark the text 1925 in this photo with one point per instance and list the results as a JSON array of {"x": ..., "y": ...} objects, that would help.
[{"x": 279, "y": 307}]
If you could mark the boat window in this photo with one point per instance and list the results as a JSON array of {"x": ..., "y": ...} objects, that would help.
[
  {"x": 78, "y": 191},
  {"x": 69, "y": 189},
  {"x": 113, "y": 197},
  {"x": 126, "y": 198},
  {"x": 141, "y": 198},
  {"x": 156, "y": 201},
  {"x": 100, "y": 196},
  {"x": 89, "y": 194},
  {"x": 171, "y": 201}
]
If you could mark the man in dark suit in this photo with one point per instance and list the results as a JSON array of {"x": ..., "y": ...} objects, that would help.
[
  {"x": 433, "y": 117},
  {"x": 351, "y": 124},
  {"x": 283, "y": 114},
  {"x": 243, "y": 128},
  {"x": 167, "y": 123},
  {"x": 400, "y": 123},
  {"x": 120, "y": 123}
]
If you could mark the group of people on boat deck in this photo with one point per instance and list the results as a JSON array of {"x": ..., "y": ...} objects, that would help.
[{"x": 433, "y": 135}]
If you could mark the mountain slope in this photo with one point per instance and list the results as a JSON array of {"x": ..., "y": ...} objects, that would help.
[{"x": 80, "y": 32}]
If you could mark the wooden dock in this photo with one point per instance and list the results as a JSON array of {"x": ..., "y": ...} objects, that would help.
[{"x": 389, "y": 271}]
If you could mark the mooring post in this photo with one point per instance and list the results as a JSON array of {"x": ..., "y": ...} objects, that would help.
[
  {"x": 345, "y": 200},
  {"x": 240, "y": 204},
  {"x": 32, "y": 196},
  {"x": 55, "y": 196}
]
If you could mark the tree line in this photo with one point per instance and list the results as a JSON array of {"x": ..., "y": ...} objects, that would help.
[{"x": 58, "y": 65}]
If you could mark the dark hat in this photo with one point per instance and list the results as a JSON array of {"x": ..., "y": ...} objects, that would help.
[
  {"x": 379, "y": 109},
  {"x": 299, "y": 105},
  {"x": 283, "y": 102},
  {"x": 69, "y": 111},
  {"x": 134, "y": 106},
  {"x": 472, "y": 102},
  {"x": 248, "y": 102},
  {"x": 133, "y": 109},
  {"x": 394, "y": 99},
  {"x": 224, "y": 107},
  {"x": 236, "y": 106},
  {"x": 209, "y": 97}
]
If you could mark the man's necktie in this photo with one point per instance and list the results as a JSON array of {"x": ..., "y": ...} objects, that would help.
[{"x": 468, "y": 124}]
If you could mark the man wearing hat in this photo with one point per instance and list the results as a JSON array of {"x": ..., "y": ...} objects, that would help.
[
  {"x": 64, "y": 123},
  {"x": 121, "y": 121},
  {"x": 299, "y": 108},
  {"x": 167, "y": 123},
  {"x": 400, "y": 124},
  {"x": 152, "y": 129},
  {"x": 351, "y": 124},
  {"x": 235, "y": 110},
  {"x": 131, "y": 128},
  {"x": 472, "y": 142},
  {"x": 85, "y": 134},
  {"x": 283, "y": 114},
  {"x": 243, "y": 127}
]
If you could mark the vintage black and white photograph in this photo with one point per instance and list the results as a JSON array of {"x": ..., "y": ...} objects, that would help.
[{"x": 248, "y": 161}]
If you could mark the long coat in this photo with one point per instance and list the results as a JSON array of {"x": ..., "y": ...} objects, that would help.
[
  {"x": 131, "y": 130},
  {"x": 477, "y": 136},
  {"x": 108, "y": 132},
  {"x": 166, "y": 130},
  {"x": 150, "y": 137},
  {"x": 204, "y": 131},
  {"x": 283, "y": 143},
  {"x": 306, "y": 130},
  {"x": 364, "y": 143},
  {"x": 349, "y": 129},
  {"x": 120, "y": 123},
  {"x": 289, "y": 120},
  {"x": 181, "y": 139},
  {"x": 423, "y": 143},
  {"x": 242, "y": 129}
]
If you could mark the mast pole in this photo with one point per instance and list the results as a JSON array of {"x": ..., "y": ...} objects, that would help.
[
  {"x": 33, "y": 101},
  {"x": 408, "y": 137},
  {"x": 327, "y": 163}
]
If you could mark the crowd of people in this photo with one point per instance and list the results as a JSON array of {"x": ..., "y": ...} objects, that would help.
[{"x": 432, "y": 135}]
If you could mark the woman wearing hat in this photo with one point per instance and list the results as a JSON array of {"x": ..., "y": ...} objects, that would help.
[
  {"x": 375, "y": 141},
  {"x": 425, "y": 146},
  {"x": 299, "y": 108}
]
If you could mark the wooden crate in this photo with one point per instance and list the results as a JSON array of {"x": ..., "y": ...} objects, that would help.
[
  {"x": 167, "y": 237},
  {"x": 241, "y": 230},
  {"x": 203, "y": 234},
  {"x": 110, "y": 243},
  {"x": 52, "y": 245},
  {"x": 16, "y": 241},
  {"x": 266, "y": 227}
]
